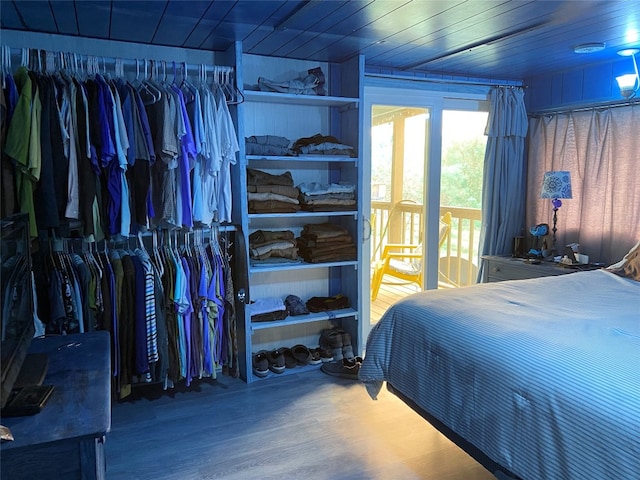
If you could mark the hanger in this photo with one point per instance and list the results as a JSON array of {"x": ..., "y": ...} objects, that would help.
[
  {"x": 149, "y": 93},
  {"x": 188, "y": 89}
]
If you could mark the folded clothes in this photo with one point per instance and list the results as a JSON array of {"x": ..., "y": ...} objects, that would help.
[
  {"x": 321, "y": 144},
  {"x": 319, "y": 242},
  {"x": 285, "y": 190},
  {"x": 327, "y": 196},
  {"x": 322, "y": 230},
  {"x": 272, "y": 249},
  {"x": 258, "y": 177},
  {"x": 316, "y": 188},
  {"x": 329, "y": 202},
  {"x": 272, "y": 196},
  {"x": 272, "y": 206},
  {"x": 273, "y": 140},
  {"x": 327, "y": 208},
  {"x": 323, "y": 304},
  {"x": 270, "y": 316},
  {"x": 265, "y": 305},
  {"x": 263, "y": 236}
]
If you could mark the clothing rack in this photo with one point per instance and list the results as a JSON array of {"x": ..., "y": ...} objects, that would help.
[
  {"x": 48, "y": 61},
  {"x": 160, "y": 333}
]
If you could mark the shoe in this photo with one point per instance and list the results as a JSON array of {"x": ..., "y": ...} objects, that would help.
[
  {"x": 347, "y": 349},
  {"x": 316, "y": 357},
  {"x": 260, "y": 364},
  {"x": 344, "y": 369},
  {"x": 332, "y": 339},
  {"x": 276, "y": 361},
  {"x": 289, "y": 360},
  {"x": 301, "y": 354},
  {"x": 326, "y": 354}
]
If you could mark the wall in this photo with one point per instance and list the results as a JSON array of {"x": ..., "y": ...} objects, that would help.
[{"x": 594, "y": 85}]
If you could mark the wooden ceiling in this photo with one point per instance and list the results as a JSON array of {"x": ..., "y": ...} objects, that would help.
[{"x": 492, "y": 39}]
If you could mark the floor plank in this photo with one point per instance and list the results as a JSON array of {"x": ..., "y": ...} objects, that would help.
[{"x": 298, "y": 426}]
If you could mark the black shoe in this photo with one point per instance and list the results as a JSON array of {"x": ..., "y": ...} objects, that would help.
[
  {"x": 276, "y": 361},
  {"x": 346, "y": 368},
  {"x": 260, "y": 364}
]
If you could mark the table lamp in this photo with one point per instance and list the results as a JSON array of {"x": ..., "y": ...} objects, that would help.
[{"x": 556, "y": 185}]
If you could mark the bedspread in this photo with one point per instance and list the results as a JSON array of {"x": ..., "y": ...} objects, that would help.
[{"x": 542, "y": 375}]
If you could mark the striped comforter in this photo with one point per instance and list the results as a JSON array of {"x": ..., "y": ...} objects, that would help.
[{"x": 542, "y": 375}]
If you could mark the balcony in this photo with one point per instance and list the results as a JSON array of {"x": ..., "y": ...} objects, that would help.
[{"x": 403, "y": 224}]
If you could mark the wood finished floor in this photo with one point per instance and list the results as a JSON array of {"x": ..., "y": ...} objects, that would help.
[{"x": 292, "y": 427}]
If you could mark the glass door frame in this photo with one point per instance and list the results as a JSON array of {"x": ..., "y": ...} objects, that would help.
[{"x": 435, "y": 102}]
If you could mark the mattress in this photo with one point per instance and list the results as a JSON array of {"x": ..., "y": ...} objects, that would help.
[{"x": 542, "y": 375}]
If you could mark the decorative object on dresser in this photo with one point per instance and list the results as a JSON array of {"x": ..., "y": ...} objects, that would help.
[{"x": 556, "y": 185}]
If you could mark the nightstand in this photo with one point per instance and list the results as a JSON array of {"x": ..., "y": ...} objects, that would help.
[{"x": 504, "y": 267}]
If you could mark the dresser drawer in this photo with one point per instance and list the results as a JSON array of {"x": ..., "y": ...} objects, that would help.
[{"x": 499, "y": 269}]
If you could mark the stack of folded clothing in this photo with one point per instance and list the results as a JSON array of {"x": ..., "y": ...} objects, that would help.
[
  {"x": 321, "y": 145},
  {"x": 268, "y": 193},
  {"x": 267, "y": 145},
  {"x": 327, "y": 197},
  {"x": 325, "y": 242},
  {"x": 324, "y": 304},
  {"x": 267, "y": 309},
  {"x": 264, "y": 244}
]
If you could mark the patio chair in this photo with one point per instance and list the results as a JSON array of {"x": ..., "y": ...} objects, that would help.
[{"x": 404, "y": 261}]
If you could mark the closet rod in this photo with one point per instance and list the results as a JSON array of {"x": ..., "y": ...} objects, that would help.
[
  {"x": 166, "y": 64},
  {"x": 445, "y": 81}
]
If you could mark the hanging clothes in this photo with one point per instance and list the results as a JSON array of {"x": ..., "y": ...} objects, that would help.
[{"x": 87, "y": 153}]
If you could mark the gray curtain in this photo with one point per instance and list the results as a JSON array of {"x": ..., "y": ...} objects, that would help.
[
  {"x": 600, "y": 148},
  {"x": 503, "y": 186}
]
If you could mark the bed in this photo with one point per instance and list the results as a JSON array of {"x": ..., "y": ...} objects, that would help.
[{"x": 538, "y": 378}]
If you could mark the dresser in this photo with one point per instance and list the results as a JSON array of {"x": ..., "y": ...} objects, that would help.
[
  {"x": 66, "y": 439},
  {"x": 503, "y": 267}
]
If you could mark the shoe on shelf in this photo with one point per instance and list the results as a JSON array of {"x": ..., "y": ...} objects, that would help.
[
  {"x": 326, "y": 354},
  {"x": 276, "y": 361},
  {"x": 332, "y": 339},
  {"x": 302, "y": 354},
  {"x": 260, "y": 364},
  {"x": 344, "y": 368},
  {"x": 316, "y": 356},
  {"x": 347, "y": 349},
  {"x": 289, "y": 360}
]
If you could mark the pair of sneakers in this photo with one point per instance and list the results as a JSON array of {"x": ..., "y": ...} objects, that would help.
[{"x": 339, "y": 342}]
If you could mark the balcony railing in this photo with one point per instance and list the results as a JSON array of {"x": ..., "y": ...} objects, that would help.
[{"x": 403, "y": 223}]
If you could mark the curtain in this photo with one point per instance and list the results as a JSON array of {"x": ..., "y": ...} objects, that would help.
[
  {"x": 601, "y": 150},
  {"x": 503, "y": 180}
]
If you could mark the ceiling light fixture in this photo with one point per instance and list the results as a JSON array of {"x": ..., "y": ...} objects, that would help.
[
  {"x": 630, "y": 82},
  {"x": 589, "y": 47}
]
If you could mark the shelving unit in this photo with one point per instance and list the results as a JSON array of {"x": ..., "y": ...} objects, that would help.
[{"x": 297, "y": 116}]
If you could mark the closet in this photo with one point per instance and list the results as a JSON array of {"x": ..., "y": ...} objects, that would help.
[
  {"x": 123, "y": 165},
  {"x": 334, "y": 114}
]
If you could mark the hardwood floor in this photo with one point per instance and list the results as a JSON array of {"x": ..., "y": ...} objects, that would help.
[
  {"x": 298, "y": 426},
  {"x": 388, "y": 295}
]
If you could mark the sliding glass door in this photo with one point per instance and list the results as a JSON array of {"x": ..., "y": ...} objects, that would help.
[{"x": 423, "y": 175}]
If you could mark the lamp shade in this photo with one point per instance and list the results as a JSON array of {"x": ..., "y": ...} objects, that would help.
[
  {"x": 626, "y": 81},
  {"x": 556, "y": 184}
]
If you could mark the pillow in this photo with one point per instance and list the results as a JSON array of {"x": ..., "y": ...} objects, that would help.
[{"x": 629, "y": 266}]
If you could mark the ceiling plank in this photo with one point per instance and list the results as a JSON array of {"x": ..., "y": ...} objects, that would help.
[
  {"x": 136, "y": 21},
  {"x": 94, "y": 18},
  {"x": 9, "y": 16},
  {"x": 65, "y": 16},
  {"x": 37, "y": 16},
  {"x": 179, "y": 21},
  {"x": 208, "y": 22}
]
